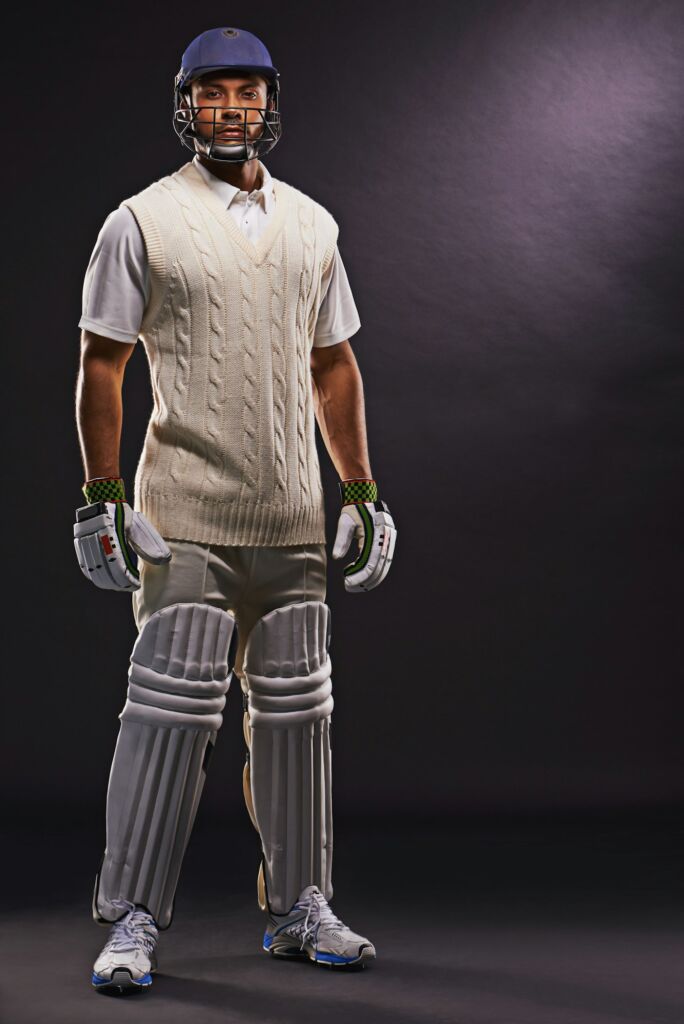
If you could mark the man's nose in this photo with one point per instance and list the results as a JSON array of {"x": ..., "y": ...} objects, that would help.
[{"x": 232, "y": 114}]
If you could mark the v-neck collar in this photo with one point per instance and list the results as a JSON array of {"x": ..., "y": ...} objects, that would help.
[{"x": 196, "y": 183}]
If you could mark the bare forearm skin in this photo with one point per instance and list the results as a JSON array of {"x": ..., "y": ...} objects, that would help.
[
  {"x": 99, "y": 415},
  {"x": 99, "y": 412},
  {"x": 340, "y": 413}
]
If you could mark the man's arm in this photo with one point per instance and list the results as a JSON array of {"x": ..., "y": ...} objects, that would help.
[
  {"x": 339, "y": 407},
  {"x": 99, "y": 411}
]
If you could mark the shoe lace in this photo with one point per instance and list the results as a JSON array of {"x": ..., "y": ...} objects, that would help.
[
  {"x": 137, "y": 928},
  {"x": 319, "y": 911}
]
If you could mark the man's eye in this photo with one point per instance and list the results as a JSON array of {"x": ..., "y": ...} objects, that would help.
[{"x": 214, "y": 92}]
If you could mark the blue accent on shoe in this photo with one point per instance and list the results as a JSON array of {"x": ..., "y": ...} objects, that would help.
[
  {"x": 333, "y": 958},
  {"x": 268, "y": 940},
  {"x": 97, "y": 979}
]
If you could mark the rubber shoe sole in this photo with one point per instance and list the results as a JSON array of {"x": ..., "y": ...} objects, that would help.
[
  {"x": 121, "y": 982},
  {"x": 331, "y": 960}
]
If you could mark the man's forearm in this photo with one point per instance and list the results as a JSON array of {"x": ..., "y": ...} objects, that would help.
[
  {"x": 99, "y": 416},
  {"x": 340, "y": 412}
]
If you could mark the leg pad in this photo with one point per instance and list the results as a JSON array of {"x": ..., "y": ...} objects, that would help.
[
  {"x": 288, "y": 671},
  {"x": 180, "y": 672}
]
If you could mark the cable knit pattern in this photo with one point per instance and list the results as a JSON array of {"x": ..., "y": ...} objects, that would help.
[
  {"x": 250, "y": 391},
  {"x": 229, "y": 455},
  {"x": 276, "y": 271},
  {"x": 178, "y": 294},
  {"x": 305, "y": 218},
  {"x": 214, "y": 307}
]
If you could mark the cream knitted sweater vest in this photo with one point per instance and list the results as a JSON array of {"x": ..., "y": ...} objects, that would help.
[{"x": 229, "y": 455}]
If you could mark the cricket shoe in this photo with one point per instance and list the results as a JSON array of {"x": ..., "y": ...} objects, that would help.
[
  {"x": 128, "y": 959},
  {"x": 311, "y": 931}
]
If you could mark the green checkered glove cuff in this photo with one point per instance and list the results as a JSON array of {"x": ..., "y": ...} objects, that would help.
[
  {"x": 109, "y": 488},
  {"x": 358, "y": 491}
]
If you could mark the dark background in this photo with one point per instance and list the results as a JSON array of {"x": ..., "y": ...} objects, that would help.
[
  {"x": 508, "y": 182},
  {"x": 508, "y": 774}
]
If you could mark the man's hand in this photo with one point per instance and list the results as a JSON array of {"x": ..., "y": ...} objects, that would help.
[
  {"x": 365, "y": 517},
  {"x": 109, "y": 533}
]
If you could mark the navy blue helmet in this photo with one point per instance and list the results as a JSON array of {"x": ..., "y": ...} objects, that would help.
[{"x": 231, "y": 138}]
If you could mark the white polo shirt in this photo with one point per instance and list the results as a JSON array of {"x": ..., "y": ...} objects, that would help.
[{"x": 116, "y": 287}]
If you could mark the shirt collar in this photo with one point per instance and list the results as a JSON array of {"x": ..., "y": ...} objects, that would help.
[{"x": 227, "y": 192}]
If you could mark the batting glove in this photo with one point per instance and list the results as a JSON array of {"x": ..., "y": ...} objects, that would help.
[
  {"x": 365, "y": 517},
  {"x": 108, "y": 534}
]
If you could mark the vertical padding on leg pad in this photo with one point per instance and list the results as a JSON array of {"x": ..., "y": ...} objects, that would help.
[
  {"x": 287, "y": 666},
  {"x": 180, "y": 672}
]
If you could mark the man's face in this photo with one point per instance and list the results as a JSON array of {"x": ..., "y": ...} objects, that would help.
[{"x": 233, "y": 99}]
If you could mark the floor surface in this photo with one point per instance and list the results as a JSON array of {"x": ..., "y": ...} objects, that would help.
[{"x": 533, "y": 921}]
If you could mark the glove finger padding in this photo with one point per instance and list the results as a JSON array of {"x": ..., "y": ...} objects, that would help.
[
  {"x": 377, "y": 537},
  {"x": 145, "y": 539},
  {"x": 386, "y": 539}
]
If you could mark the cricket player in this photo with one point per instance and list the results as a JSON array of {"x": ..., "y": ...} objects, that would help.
[{"x": 234, "y": 282}]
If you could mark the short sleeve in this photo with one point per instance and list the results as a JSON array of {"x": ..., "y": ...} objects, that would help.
[
  {"x": 338, "y": 316},
  {"x": 116, "y": 286}
]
